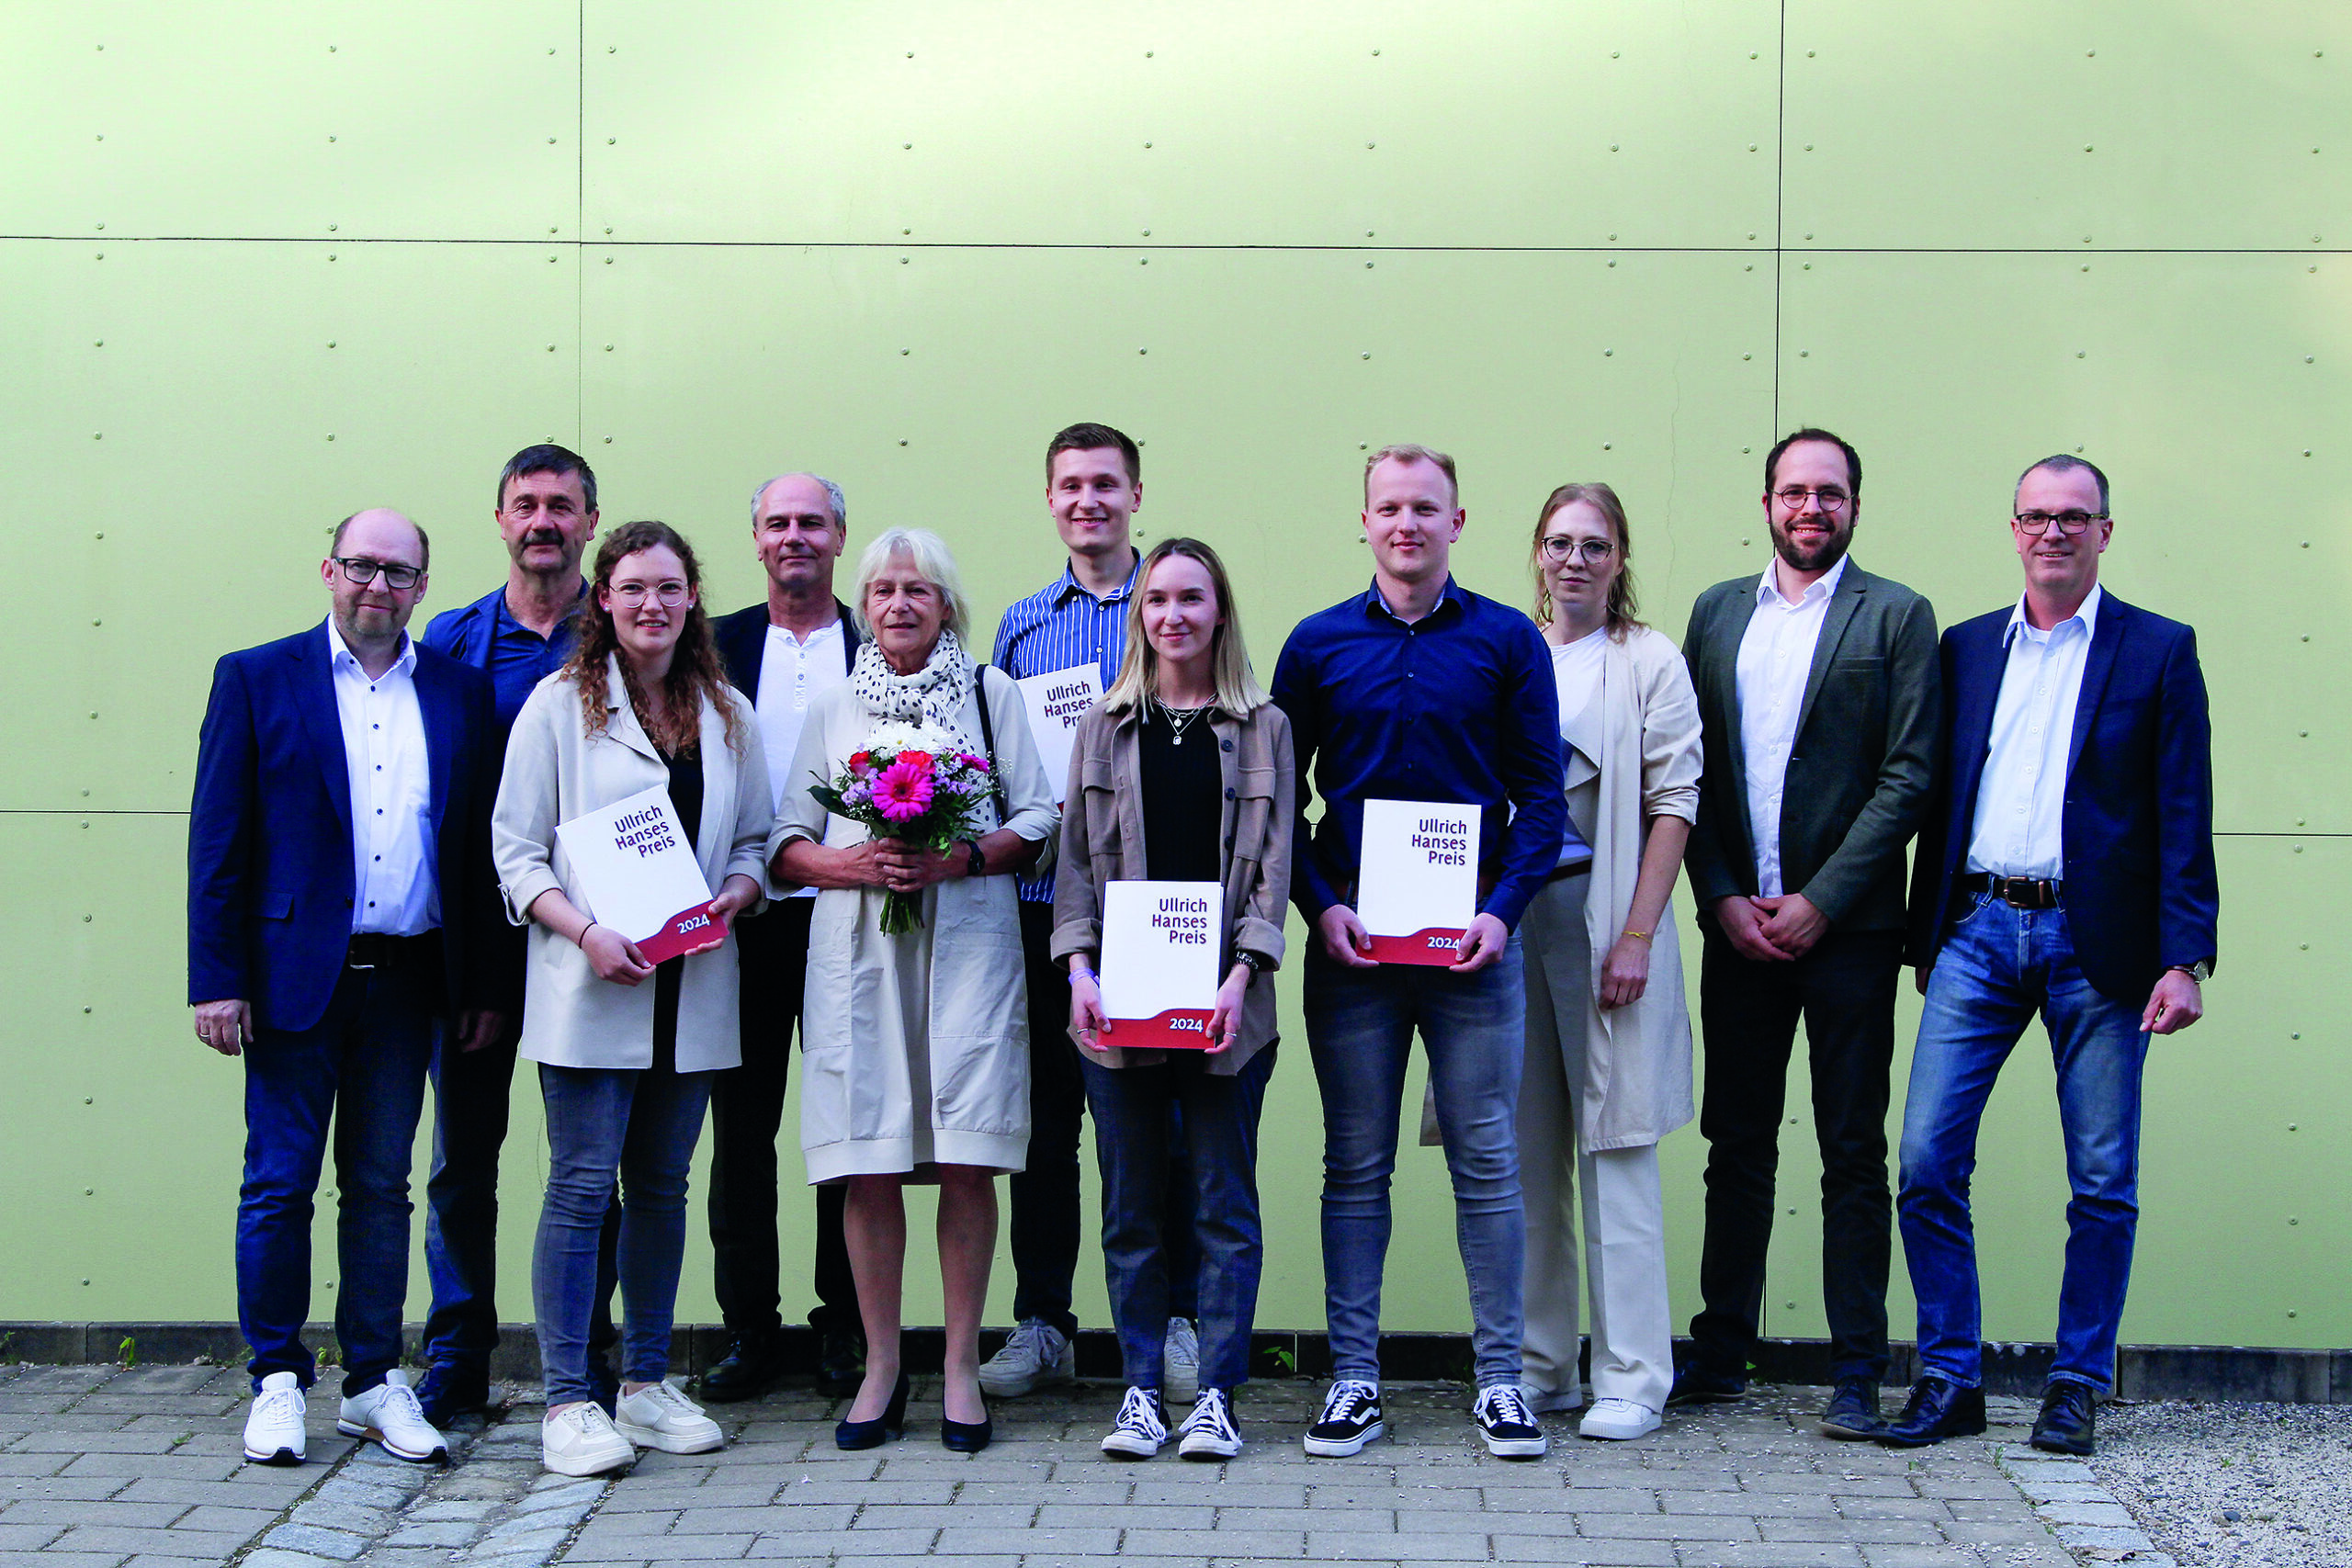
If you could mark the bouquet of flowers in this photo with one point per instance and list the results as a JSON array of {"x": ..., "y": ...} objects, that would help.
[{"x": 913, "y": 783}]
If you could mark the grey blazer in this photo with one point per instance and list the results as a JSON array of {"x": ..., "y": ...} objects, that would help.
[{"x": 1864, "y": 763}]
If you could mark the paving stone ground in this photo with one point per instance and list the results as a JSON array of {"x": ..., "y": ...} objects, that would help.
[{"x": 107, "y": 1467}]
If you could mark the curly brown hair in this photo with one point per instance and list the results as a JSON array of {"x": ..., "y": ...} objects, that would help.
[{"x": 695, "y": 670}]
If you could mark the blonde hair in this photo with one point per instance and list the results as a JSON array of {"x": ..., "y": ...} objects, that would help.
[
  {"x": 1622, "y": 601},
  {"x": 932, "y": 559},
  {"x": 1408, "y": 452},
  {"x": 1237, "y": 691}
]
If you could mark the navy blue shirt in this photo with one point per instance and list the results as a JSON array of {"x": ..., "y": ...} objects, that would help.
[
  {"x": 486, "y": 635},
  {"x": 1459, "y": 707}
]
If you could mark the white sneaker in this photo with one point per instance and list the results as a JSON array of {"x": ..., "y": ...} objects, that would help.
[
  {"x": 1034, "y": 1353},
  {"x": 1209, "y": 1430},
  {"x": 1618, "y": 1420},
  {"x": 1552, "y": 1401},
  {"x": 580, "y": 1439},
  {"x": 1179, "y": 1361},
  {"x": 390, "y": 1416},
  {"x": 1505, "y": 1424},
  {"x": 274, "y": 1432},
  {"x": 1142, "y": 1428},
  {"x": 658, "y": 1417}
]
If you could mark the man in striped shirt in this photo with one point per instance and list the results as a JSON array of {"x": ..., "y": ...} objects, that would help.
[{"x": 1093, "y": 485}]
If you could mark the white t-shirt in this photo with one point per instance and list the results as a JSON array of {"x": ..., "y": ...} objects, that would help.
[
  {"x": 792, "y": 674},
  {"x": 1575, "y": 670}
]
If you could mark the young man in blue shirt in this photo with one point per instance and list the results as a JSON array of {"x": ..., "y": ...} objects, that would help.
[{"x": 1420, "y": 690}]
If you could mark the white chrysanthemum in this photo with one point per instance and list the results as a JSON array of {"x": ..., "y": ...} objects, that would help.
[{"x": 894, "y": 737}]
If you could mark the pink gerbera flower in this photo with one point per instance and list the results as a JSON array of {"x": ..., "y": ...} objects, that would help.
[{"x": 902, "y": 791}]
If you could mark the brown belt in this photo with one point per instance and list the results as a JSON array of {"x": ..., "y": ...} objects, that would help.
[{"x": 2018, "y": 892}]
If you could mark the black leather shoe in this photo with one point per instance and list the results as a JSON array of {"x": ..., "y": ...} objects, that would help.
[
  {"x": 1695, "y": 1385},
  {"x": 841, "y": 1363},
  {"x": 887, "y": 1427},
  {"x": 750, "y": 1367},
  {"x": 966, "y": 1437},
  {"x": 1938, "y": 1408},
  {"x": 1853, "y": 1411},
  {"x": 448, "y": 1393},
  {"x": 2069, "y": 1414}
]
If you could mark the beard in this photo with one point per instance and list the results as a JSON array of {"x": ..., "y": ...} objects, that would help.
[{"x": 1815, "y": 556}]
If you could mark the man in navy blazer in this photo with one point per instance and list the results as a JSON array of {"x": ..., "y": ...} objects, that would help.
[
  {"x": 2067, "y": 869},
  {"x": 780, "y": 652},
  {"x": 338, "y": 874}
]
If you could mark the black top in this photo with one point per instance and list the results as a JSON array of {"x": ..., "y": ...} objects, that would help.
[
  {"x": 1184, "y": 799},
  {"x": 685, "y": 798}
]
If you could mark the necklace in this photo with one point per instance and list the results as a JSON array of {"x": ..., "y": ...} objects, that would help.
[{"x": 1180, "y": 719}]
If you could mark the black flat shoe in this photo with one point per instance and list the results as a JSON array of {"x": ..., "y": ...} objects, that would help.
[
  {"x": 2069, "y": 1417},
  {"x": 841, "y": 1363},
  {"x": 1938, "y": 1408},
  {"x": 1698, "y": 1385},
  {"x": 750, "y": 1367},
  {"x": 1853, "y": 1411},
  {"x": 889, "y": 1427},
  {"x": 966, "y": 1437}
]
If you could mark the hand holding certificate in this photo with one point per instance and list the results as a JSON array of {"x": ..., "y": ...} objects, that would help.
[
  {"x": 637, "y": 875},
  {"x": 1418, "y": 879},
  {"x": 1161, "y": 941}
]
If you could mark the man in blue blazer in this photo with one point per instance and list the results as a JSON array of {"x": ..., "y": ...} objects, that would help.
[
  {"x": 338, "y": 876},
  {"x": 2067, "y": 869}
]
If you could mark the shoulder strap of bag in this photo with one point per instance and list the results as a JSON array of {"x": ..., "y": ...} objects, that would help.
[{"x": 987, "y": 744}]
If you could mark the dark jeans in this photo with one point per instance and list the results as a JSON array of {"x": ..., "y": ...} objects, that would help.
[
  {"x": 472, "y": 1091},
  {"x": 361, "y": 1067},
  {"x": 1749, "y": 1010},
  {"x": 644, "y": 1125},
  {"x": 1999, "y": 966},
  {"x": 1045, "y": 1207},
  {"x": 1132, "y": 1134},
  {"x": 746, "y": 1110}
]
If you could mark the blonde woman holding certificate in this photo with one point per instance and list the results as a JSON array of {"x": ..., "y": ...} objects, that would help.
[
  {"x": 1608, "y": 1069},
  {"x": 1183, "y": 772},
  {"x": 626, "y": 1066}
]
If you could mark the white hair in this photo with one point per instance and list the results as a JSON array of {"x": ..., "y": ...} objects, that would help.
[
  {"x": 832, "y": 494},
  {"x": 931, "y": 561}
]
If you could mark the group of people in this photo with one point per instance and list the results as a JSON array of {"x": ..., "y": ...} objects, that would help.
[{"x": 380, "y": 898}]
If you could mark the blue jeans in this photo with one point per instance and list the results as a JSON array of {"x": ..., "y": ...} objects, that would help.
[
  {"x": 1998, "y": 967},
  {"x": 1219, "y": 1123},
  {"x": 361, "y": 1067},
  {"x": 1360, "y": 1025},
  {"x": 644, "y": 1125}
]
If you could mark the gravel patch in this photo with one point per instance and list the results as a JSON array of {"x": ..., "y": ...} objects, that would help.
[{"x": 2234, "y": 1486}]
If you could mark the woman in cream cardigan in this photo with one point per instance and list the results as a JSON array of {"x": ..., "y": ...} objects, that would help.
[
  {"x": 626, "y": 1066},
  {"x": 915, "y": 1046},
  {"x": 1608, "y": 1070}
]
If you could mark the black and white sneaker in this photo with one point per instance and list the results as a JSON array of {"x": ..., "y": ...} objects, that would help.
[
  {"x": 1350, "y": 1419},
  {"x": 1507, "y": 1424},
  {"x": 1209, "y": 1431},
  {"x": 1141, "y": 1429}
]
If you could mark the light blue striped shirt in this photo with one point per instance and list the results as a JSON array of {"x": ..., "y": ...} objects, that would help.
[{"x": 1059, "y": 627}]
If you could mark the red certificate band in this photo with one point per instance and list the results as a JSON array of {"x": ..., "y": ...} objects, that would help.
[
  {"x": 689, "y": 931},
  {"x": 1177, "y": 1029},
  {"x": 1436, "y": 945}
]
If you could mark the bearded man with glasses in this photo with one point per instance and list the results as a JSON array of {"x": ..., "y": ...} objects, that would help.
[{"x": 1818, "y": 692}]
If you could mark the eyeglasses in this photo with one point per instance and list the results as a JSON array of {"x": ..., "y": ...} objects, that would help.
[
  {"x": 362, "y": 572},
  {"x": 1831, "y": 498},
  {"x": 2069, "y": 523},
  {"x": 1593, "y": 552},
  {"x": 669, "y": 595}
]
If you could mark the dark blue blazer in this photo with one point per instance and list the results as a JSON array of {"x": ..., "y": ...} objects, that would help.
[
  {"x": 2140, "y": 891},
  {"x": 742, "y": 639},
  {"x": 269, "y": 846}
]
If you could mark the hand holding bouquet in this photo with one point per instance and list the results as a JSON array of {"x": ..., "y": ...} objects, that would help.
[{"x": 915, "y": 784}]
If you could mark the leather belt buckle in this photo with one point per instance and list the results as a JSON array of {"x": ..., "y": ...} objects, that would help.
[{"x": 2027, "y": 893}]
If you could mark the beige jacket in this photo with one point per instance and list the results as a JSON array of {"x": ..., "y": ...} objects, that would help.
[
  {"x": 555, "y": 771},
  {"x": 1102, "y": 839}
]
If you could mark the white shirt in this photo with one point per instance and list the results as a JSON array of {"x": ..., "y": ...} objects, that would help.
[
  {"x": 2019, "y": 827},
  {"x": 1575, "y": 670},
  {"x": 792, "y": 675},
  {"x": 1775, "y": 660},
  {"x": 394, "y": 888}
]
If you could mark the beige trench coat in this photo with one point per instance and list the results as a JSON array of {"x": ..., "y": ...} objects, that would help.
[
  {"x": 556, "y": 772},
  {"x": 939, "y": 1014}
]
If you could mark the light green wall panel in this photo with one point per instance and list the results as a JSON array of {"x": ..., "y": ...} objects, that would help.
[
  {"x": 2087, "y": 124},
  {"x": 1045, "y": 123},
  {"x": 309, "y": 121}
]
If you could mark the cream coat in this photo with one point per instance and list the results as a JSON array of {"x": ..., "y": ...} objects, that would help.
[
  {"x": 939, "y": 1014},
  {"x": 1637, "y": 1058},
  {"x": 556, "y": 772}
]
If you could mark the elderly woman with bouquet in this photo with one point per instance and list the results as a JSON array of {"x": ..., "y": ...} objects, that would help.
[{"x": 915, "y": 793}]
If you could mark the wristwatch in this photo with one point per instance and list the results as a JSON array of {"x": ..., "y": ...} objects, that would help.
[
  {"x": 2201, "y": 971},
  {"x": 1254, "y": 963},
  {"x": 975, "y": 864}
]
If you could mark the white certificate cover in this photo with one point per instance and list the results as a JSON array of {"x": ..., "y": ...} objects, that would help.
[
  {"x": 1417, "y": 886},
  {"x": 1160, "y": 945},
  {"x": 638, "y": 873},
  {"x": 1055, "y": 704}
]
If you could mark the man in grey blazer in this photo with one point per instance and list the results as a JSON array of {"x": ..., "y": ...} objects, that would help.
[{"x": 1818, "y": 690}]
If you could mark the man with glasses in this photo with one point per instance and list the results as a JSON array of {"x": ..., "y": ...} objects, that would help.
[
  {"x": 517, "y": 633},
  {"x": 2067, "y": 869},
  {"x": 1817, "y": 686},
  {"x": 339, "y": 883}
]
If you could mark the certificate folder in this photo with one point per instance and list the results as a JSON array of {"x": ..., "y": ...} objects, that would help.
[
  {"x": 1418, "y": 879},
  {"x": 1055, "y": 703},
  {"x": 637, "y": 874},
  {"x": 1161, "y": 941}
]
